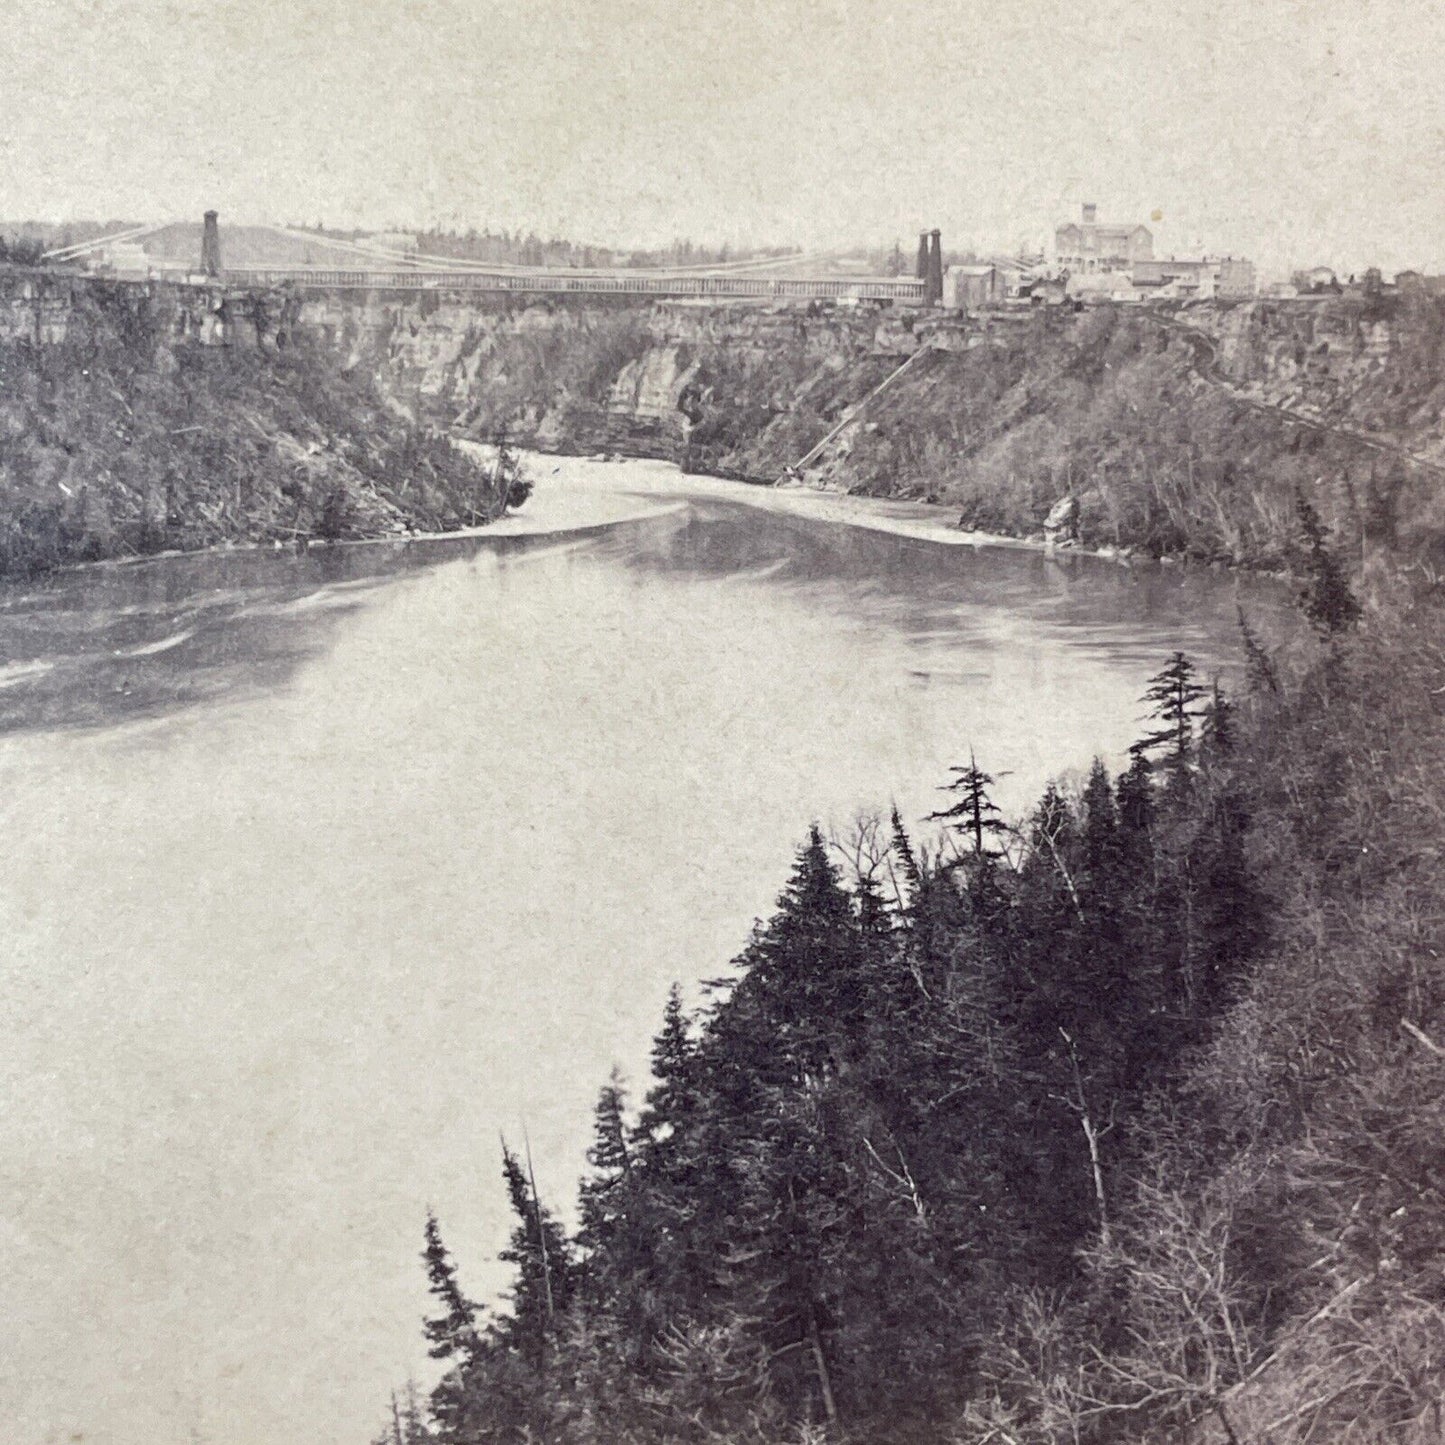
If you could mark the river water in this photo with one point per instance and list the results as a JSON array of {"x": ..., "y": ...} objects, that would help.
[{"x": 324, "y": 870}]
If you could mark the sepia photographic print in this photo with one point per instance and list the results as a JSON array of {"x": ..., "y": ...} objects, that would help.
[{"x": 721, "y": 722}]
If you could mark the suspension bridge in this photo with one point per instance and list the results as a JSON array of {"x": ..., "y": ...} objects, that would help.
[{"x": 362, "y": 265}]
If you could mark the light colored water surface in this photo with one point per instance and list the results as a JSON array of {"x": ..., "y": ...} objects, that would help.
[{"x": 319, "y": 872}]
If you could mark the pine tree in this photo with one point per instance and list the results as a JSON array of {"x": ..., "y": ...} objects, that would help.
[
  {"x": 451, "y": 1334},
  {"x": 903, "y": 851},
  {"x": 542, "y": 1254},
  {"x": 413, "y": 1429},
  {"x": 1172, "y": 694},
  {"x": 1217, "y": 726},
  {"x": 804, "y": 990},
  {"x": 1327, "y": 600},
  {"x": 671, "y": 1098},
  {"x": 611, "y": 1159},
  {"x": 975, "y": 815},
  {"x": 1136, "y": 800},
  {"x": 1101, "y": 822},
  {"x": 1260, "y": 673}
]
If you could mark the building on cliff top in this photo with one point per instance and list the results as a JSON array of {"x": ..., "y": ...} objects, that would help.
[
  {"x": 1091, "y": 245},
  {"x": 967, "y": 288},
  {"x": 1228, "y": 278}
]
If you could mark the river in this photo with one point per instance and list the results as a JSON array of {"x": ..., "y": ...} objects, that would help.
[{"x": 323, "y": 870}]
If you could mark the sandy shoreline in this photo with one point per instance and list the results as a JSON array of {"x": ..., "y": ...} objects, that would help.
[
  {"x": 584, "y": 476},
  {"x": 582, "y": 494}
]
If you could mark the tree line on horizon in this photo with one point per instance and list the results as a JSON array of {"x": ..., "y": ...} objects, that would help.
[{"x": 1116, "y": 1124}]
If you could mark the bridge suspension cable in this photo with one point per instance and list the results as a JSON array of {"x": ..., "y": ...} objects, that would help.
[{"x": 78, "y": 248}]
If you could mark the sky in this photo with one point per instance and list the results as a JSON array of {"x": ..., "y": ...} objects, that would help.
[{"x": 1290, "y": 132}]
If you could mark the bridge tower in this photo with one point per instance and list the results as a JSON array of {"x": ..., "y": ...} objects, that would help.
[
  {"x": 933, "y": 281},
  {"x": 211, "y": 246}
]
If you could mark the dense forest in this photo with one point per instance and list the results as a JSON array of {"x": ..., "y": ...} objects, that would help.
[
  {"x": 126, "y": 435},
  {"x": 1122, "y": 1123}
]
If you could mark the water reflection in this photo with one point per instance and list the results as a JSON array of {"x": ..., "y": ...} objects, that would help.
[{"x": 104, "y": 644}]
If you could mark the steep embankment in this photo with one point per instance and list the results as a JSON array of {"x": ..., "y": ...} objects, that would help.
[
  {"x": 123, "y": 432},
  {"x": 732, "y": 388},
  {"x": 1187, "y": 434},
  {"x": 1169, "y": 445}
]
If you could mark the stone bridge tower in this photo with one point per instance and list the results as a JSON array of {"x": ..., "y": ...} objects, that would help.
[
  {"x": 211, "y": 246},
  {"x": 929, "y": 269},
  {"x": 933, "y": 281}
]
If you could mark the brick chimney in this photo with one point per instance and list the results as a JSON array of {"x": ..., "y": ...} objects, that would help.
[
  {"x": 933, "y": 283},
  {"x": 921, "y": 270}
]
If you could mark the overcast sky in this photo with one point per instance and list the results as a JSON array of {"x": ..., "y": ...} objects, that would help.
[{"x": 1310, "y": 130}]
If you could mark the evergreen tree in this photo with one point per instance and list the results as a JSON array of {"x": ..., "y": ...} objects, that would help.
[
  {"x": 1217, "y": 725},
  {"x": 1135, "y": 833},
  {"x": 1260, "y": 673},
  {"x": 408, "y": 1422},
  {"x": 670, "y": 1100},
  {"x": 1326, "y": 598},
  {"x": 452, "y": 1333},
  {"x": 975, "y": 814},
  {"x": 1101, "y": 822},
  {"x": 452, "y": 1336},
  {"x": 804, "y": 989},
  {"x": 902, "y": 850},
  {"x": 611, "y": 1160},
  {"x": 542, "y": 1256},
  {"x": 1172, "y": 694}
]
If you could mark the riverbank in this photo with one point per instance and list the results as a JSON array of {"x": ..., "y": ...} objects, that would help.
[
  {"x": 1170, "y": 446},
  {"x": 584, "y": 494},
  {"x": 922, "y": 521}
]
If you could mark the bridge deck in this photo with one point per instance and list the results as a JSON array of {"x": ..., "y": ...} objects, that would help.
[{"x": 627, "y": 283}]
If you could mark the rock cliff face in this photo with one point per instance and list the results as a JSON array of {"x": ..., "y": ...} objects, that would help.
[
  {"x": 1377, "y": 366},
  {"x": 1160, "y": 428},
  {"x": 739, "y": 388},
  {"x": 1145, "y": 426},
  {"x": 136, "y": 420}
]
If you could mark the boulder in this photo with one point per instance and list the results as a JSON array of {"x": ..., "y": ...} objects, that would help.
[{"x": 1062, "y": 523}]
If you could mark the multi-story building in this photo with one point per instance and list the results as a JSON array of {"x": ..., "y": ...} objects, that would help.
[
  {"x": 1237, "y": 279},
  {"x": 1229, "y": 278},
  {"x": 1091, "y": 245}
]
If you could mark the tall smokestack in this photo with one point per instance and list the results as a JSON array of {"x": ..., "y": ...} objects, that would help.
[
  {"x": 921, "y": 270},
  {"x": 933, "y": 285},
  {"x": 211, "y": 246}
]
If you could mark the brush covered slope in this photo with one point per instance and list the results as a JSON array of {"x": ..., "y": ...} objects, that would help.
[
  {"x": 1178, "y": 432},
  {"x": 121, "y": 434}
]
